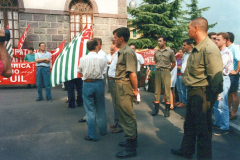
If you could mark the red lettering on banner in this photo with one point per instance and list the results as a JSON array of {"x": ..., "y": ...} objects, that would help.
[
  {"x": 148, "y": 56},
  {"x": 23, "y": 73}
]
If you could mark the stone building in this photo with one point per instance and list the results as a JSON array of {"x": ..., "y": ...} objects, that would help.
[{"x": 56, "y": 20}]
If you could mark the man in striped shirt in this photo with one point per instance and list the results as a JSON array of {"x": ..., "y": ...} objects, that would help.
[
  {"x": 221, "y": 105},
  {"x": 91, "y": 68}
]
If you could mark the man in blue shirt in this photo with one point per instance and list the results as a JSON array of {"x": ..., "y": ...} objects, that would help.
[
  {"x": 233, "y": 99},
  {"x": 42, "y": 59}
]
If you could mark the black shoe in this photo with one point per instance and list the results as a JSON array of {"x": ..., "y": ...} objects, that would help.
[
  {"x": 220, "y": 132},
  {"x": 156, "y": 109},
  {"x": 179, "y": 152},
  {"x": 215, "y": 126},
  {"x": 50, "y": 99},
  {"x": 167, "y": 111},
  {"x": 89, "y": 138},
  {"x": 39, "y": 99},
  {"x": 82, "y": 120},
  {"x": 126, "y": 153}
]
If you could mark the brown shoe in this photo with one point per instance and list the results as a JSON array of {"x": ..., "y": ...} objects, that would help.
[
  {"x": 177, "y": 103},
  {"x": 181, "y": 105},
  {"x": 66, "y": 101},
  {"x": 113, "y": 126},
  {"x": 116, "y": 131}
]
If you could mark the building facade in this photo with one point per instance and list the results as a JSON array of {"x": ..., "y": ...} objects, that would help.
[{"x": 53, "y": 21}]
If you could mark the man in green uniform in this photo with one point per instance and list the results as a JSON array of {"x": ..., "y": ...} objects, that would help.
[
  {"x": 203, "y": 78},
  {"x": 165, "y": 61},
  {"x": 126, "y": 90}
]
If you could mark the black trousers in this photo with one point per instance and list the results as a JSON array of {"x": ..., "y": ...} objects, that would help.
[
  {"x": 198, "y": 122},
  {"x": 78, "y": 83}
]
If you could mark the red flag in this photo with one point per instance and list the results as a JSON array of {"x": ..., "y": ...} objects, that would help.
[
  {"x": 7, "y": 26},
  {"x": 21, "y": 40},
  {"x": 55, "y": 54}
]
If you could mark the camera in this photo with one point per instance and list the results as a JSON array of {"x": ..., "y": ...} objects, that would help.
[{"x": 6, "y": 37}]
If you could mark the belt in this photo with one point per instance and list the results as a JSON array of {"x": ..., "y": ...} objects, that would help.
[
  {"x": 163, "y": 69},
  {"x": 92, "y": 80},
  {"x": 121, "y": 81},
  {"x": 191, "y": 88},
  {"x": 110, "y": 78}
]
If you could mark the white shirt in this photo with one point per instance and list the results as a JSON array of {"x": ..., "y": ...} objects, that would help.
[
  {"x": 227, "y": 58},
  {"x": 174, "y": 76},
  {"x": 184, "y": 61},
  {"x": 104, "y": 55},
  {"x": 110, "y": 58},
  {"x": 140, "y": 61},
  {"x": 92, "y": 66},
  {"x": 113, "y": 65}
]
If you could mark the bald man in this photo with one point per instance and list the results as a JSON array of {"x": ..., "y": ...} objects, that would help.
[{"x": 204, "y": 81}]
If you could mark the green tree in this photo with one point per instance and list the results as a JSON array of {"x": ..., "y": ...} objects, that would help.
[
  {"x": 157, "y": 17},
  {"x": 195, "y": 12}
]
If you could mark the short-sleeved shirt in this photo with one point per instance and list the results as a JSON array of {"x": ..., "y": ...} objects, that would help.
[
  {"x": 164, "y": 58},
  {"x": 29, "y": 57},
  {"x": 140, "y": 61},
  {"x": 40, "y": 56},
  {"x": 204, "y": 66},
  {"x": 227, "y": 58},
  {"x": 236, "y": 55},
  {"x": 1, "y": 67},
  {"x": 126, "y": 64}
]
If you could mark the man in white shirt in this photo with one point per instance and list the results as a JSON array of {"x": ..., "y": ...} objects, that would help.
[
  {"x": 220, "y": 107},
  {"x": 140, "y": 62},
  {"x": 91, "y": 68},
  {"x": 187, "y": 49},
  {"x": 104, "y": 55},
  {"x": 112, "y": 86},
  {"x": 110, "y": 58}
]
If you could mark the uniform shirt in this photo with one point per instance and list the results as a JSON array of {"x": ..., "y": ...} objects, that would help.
[
  {"x": 1, "y": 67},
  {"x": 40, "y": 56},
  {"x": 236, "y": 55},
  {"x": 164, "y": 58},
  {"x": 104, "y": 55},
  {"x": 184, "y": 61},
  {"x": 227, "y": 58},
  {"x": 204, "y": 66},
  {"x": 113, "y": 65},
  {"x": 127, "y": 63},
  {"x": 29, "y": 57},
  {"x": 92, "y": 66},
  {"x": 140, "y": 61}
]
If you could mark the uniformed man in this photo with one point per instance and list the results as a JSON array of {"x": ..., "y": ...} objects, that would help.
[
  {"x": 126, "y": 89},
  {"x": 165, "y": 61},
  {"x": 203, "y": 78}
]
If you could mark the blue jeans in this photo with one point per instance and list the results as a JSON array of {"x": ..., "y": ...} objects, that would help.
[
  {"x": 43, "y": 76},
  {"x": 184, "y": 95},
  {"x": 221, "y": 110},
  {"x": 179, "y": 88},
  {"x": 93, "y": 99},
  {"x": 77, "y": 82}
]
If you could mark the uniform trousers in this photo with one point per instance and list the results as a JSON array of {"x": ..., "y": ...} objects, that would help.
[{"x": 126, "y": 115}]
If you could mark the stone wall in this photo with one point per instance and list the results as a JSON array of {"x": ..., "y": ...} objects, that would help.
[{"x": 51, "y": 29}]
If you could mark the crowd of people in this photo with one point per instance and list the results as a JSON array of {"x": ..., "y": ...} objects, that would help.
[{"x": 204, "y": 70}]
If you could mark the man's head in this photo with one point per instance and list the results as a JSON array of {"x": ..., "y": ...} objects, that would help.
[
  {"x": 133, "y": 47},
  {"x": 212, "y": 36},
  {"x": 197, "y": 27},
  {"x": 221, "y": 40},
  {"x": 99, "y": 43},
  {"x": 121, "y": 36},
  {"x": 30, "y": 50},
  {"x": 113, "y": 47},
  {"x": 162, "y": 40},
  {"x": 187, "y": 45},
  {"x": 92, "y": 45},
  {"x": 231, "y": 38},
  {"x": 42, "y": 46}
]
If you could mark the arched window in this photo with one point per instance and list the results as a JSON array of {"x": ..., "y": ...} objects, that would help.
[
  {"x": 9, "y": 16},
  {"x": 81, "y": 14}
]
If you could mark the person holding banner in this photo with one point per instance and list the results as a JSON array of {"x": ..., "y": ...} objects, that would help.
[
  {"x": 5, "y": 60},
  {"x": 42, "y": 59}
]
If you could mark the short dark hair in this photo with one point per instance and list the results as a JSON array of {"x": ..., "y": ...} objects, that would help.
[
  {"x": 224, "y": 35},
  {"x": 231, "y": 36},
  {"x": 211, "y": 33},
  {"x": 99, "y": 40},
  {"x": 188, "y": 41},
  {"x": 91, "y": 44},
  {"x": 41, "y": 43},
  {"x": 31, "y": 48},
  {"x": 201, "y": 22},
  {"x": 162, "y": 36},
  {"x": 122, "y": 32}
]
